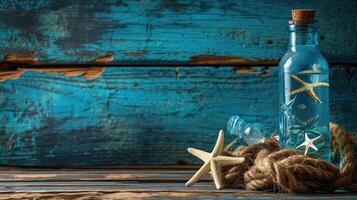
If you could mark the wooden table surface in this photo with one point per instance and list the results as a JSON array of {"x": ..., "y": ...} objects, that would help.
[{"x": 125, "y": 183}]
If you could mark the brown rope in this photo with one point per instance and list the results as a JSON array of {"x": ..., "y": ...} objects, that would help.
[
  {"x": 346, "y": 146},
  {"x": 269, "y": 167},
  {"x": 234, "y": 175},
  {"x": 289, "y": 170}
]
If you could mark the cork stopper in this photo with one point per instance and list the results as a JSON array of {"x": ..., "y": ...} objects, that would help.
[{"x": 302, "y": 17}]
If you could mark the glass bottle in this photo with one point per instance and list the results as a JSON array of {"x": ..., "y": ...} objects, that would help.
[
  {"x": 250, "y": 133},
  {"x": 304, "y": 90}
]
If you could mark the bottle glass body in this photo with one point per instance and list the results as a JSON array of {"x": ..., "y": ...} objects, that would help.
[
  {"x": 250, "y": 133},
  {"x": 304, "y": 94}
]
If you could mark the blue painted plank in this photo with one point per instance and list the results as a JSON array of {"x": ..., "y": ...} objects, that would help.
[
  {"x": 138, "y": 115},
  {"x": 59, "y": 31}
]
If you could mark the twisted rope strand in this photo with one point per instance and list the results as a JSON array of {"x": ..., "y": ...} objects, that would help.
[
  {"x": 269, "y": 167},
  {"x": 348, "y": 173}
]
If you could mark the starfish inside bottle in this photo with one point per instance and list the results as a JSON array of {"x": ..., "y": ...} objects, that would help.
[{"x": 304, "y": 89}]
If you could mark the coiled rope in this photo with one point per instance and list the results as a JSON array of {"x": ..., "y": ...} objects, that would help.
[{"x": 268, "y": 167}]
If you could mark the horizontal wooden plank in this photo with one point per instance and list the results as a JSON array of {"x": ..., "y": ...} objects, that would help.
[
  {"x": 164, "y": 187},
  {"x": 163, "y": 174},
  {"x": 168, "y": 30},
  {"x": 141, "y": 116},
  {"x": 109, "y": 195}
]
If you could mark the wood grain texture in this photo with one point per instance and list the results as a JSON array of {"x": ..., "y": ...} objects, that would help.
[
  {"x": 153, "y": 183},
  {"x": 178, "y": 174},
  {"x": 170, "y": 31},
  {"x": 141, "y": 116},
  {"x": 168, "y": 194}
]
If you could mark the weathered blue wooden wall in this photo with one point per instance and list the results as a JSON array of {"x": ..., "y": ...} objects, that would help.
[
  {"x": 140, "y": 115},
  {"x": 150, "y": 115},
  {"x": 167, "y": 30}
]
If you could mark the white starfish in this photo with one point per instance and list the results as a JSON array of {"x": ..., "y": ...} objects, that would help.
[
  {"x": 309, "y": 143},
  {"x": 308, "y": 88},
  {"x": 213, "y": 161},
  {"x": 314, "y": 70}
]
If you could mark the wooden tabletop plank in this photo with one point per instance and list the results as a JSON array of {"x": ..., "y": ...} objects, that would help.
[
  {"x": 137, "y": 188},
  {"x": 141, "y": 190},
  {"x": 125, "y": 183},
  {"x": 109, "y": 195},
  {"x": 159, "y": 174}
]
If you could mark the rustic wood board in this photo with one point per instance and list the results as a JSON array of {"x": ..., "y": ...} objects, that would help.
[
  {"x": 153, "y": 183},
  {"x": 141, "y": 115},
  {"x": 169, "y": 31}
]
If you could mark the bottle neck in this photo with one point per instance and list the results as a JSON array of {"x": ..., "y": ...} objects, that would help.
[{"x": 303, "y": 37}]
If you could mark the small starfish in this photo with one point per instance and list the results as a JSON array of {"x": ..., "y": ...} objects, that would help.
[
  {"x": 287, "y": 108},
  {"x": 303, "y": 126},
  {"x": 308, "y": 88},
  {"x": 308, "y": 143},
  {"x": 213, "y": 161},
  {"x": 314, "y": 70}
]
